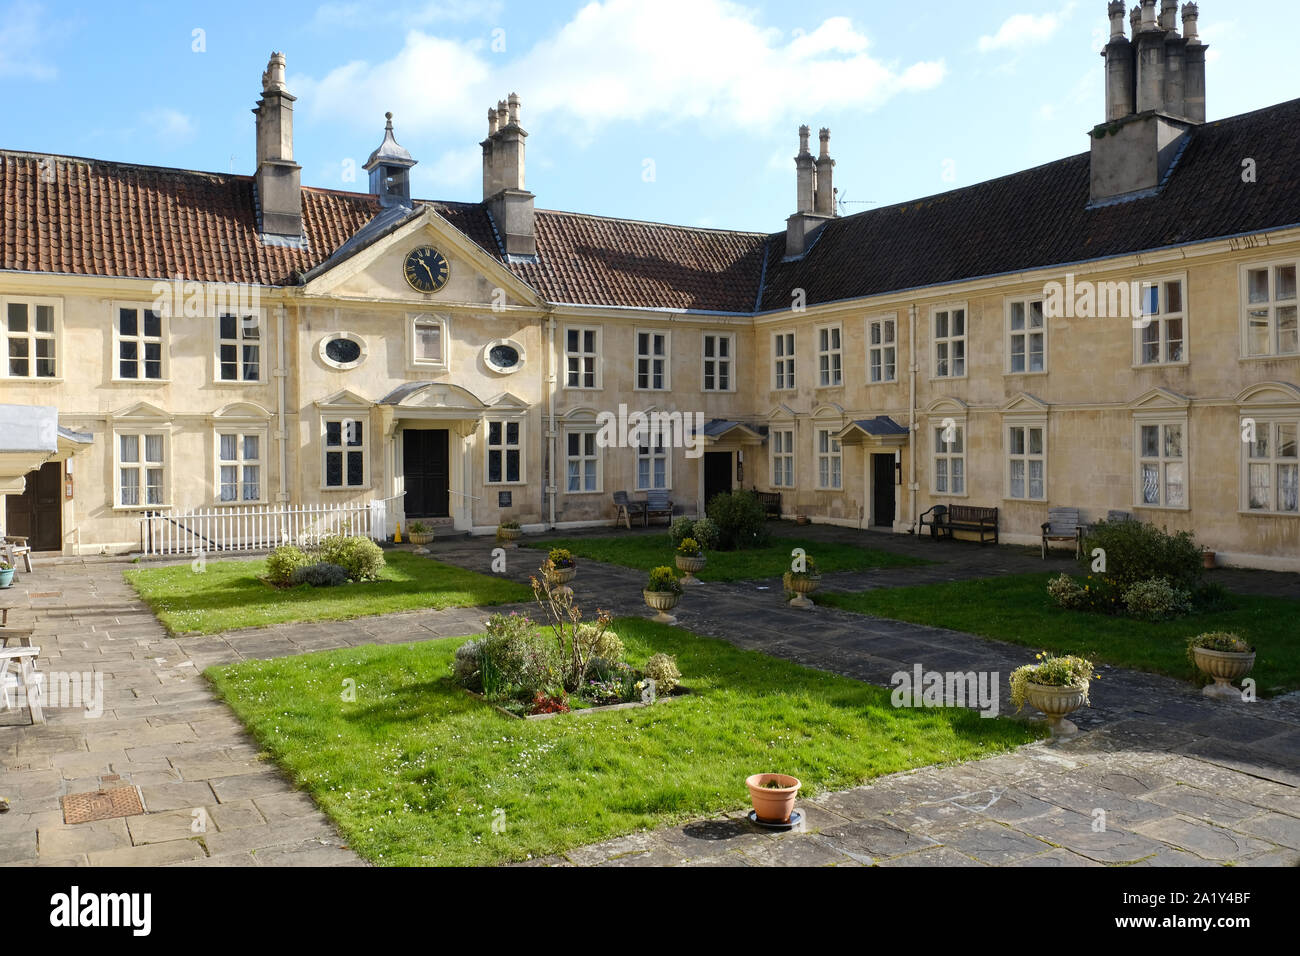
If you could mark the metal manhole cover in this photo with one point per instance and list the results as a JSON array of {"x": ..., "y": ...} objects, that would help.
[{"x": 102, "y": 805}]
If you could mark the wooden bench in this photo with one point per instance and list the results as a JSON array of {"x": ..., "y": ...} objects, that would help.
[
  {"x": 627, "y": 508},
  {"x": 658, "y": 505},
  {"x": 25, "y": 657},
  {"x": 23, "y": 635},
  {"x": 1064, "y": 524},
  {"x": 945, "y": 519},
  {"x": 771, "y": 501},
  {"x": 14, "y": 547}
]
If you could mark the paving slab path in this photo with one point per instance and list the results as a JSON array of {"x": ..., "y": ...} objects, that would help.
[{"x": 1182, "y": 780}]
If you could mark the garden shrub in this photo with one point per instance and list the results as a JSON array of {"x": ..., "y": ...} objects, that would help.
[
  {"x": 607, "y": 645},
  {"x": 705, "y": 532},
  {"x": 741, "y": 520},
  {"x": 1137, "y": 552},
  {"x": 1156, "y": 600},
  {"x": 662, "y": 669},
  {"x": 466, "y": 663},
  {"x": 283, "y": 561},
  {"x": 320, "y": 575},
  {"x": 682, "y": 529},
  {"x": 1213, "y": 597},
  {"x": 523, "y": 663},
  {"x": 360, "y": 557},
  {"x": 1066, "y": 592}
]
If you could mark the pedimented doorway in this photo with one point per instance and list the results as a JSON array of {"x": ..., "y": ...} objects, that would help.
[{"x": 426, "y": 469}]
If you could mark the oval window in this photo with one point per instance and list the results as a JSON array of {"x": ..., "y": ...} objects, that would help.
[
  {"x": 504, "y": 356},
  {"x": 343, "y": 350}
]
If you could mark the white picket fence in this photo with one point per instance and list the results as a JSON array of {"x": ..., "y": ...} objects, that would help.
[{"x": 220, "y": 530}]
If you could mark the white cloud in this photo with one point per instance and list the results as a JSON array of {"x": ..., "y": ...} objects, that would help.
[
  {"x": 457, "y": 167},
  {"x": 169, "y": 125},
  {"x": 1022, "y": 29},
  {"x": 22, "y": 34},
  {"x": 701, "y": 61}
]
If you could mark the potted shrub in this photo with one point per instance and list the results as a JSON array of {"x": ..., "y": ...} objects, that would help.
[
  {"x": 6, "y": 574},
  {"x": 1055, "y": 685},
  {"x": 662, "y": 592},
  {"x": 420, "y": 533},
  {"x": 773, "y": 796},
  {"x": 508, "y": 532},
  {"x": 690, "y": 559},
  {"x": 803, "y": 583},
  {"x": 1224, "y": 657},
  {"x": 560, "y": 567}
]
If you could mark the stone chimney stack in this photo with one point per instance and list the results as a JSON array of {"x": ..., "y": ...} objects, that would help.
[
  {"x": 279, "y": 178},
  {"x": 1121, "y": 78},
  {"x": 805, "y": 174},
  {"x": 504, "y": 185},
  {"x": 815, "y": 196},
  {"x": 1155, "y": 93},
  {"x": 1150, "y": 42},
  {"x": 1194, "y": 81},
  {"x": 824, "y": 193}
]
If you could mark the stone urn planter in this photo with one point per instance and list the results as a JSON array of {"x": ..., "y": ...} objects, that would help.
[
  {"x": 691, "y": 565},
  {"x": 773, "y": 796},
  {"x": 663, "y": 602},
  {"x": 1056, "y": 703},
  {"x": 1225, "y": 667},
  {"x": 509, "y": 535},
  {"x": 802, "y": 585},
  {"x": 558, "y": 577},
  {"x": 420, "y": 537}
]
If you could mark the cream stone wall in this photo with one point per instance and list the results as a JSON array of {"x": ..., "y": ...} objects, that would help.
[{"x": 1089, "y": 396}]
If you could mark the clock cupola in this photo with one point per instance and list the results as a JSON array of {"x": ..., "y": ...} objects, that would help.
[{"x": 390, "y": 170}]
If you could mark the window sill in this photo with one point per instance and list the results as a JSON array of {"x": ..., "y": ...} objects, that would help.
[
  {"x": 1140, "y": 366},
  {"x": 582, "y": 388},
  {"x": 1175, "y": 508},
  {"x": 225, "y": 383},
  {"x": 418, "y": 369},
  {"x": 125, "y": 509},
  {"x": 140, "y": 381},
  {"x": 351, "y": 489},
  {"x": 31, "y": 380},
  {"x": 505, "y": 484},
  {"x": 964, "y": 496},
  {"x": 1025, "y": 374},
  {"x": 261, "y": 502},
  {"x": 1268, "y": 514},
  {"x": 583, "y": 494}
]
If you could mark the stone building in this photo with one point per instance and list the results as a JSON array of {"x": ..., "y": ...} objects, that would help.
[{"x": 1113, "y": 331}]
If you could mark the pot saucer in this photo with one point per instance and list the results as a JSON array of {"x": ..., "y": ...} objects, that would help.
[{"x": 796, "y": 818}]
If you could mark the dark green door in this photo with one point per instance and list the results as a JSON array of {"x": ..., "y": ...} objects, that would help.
[{"x": 425, "y": 463}]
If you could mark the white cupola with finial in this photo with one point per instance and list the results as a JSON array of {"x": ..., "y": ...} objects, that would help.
[{"x": 390, "y": 170}]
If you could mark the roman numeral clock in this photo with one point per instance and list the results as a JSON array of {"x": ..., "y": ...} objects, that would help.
[{"x": 426, "y": 269}]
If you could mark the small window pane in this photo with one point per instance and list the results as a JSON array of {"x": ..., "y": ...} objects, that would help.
[{"x": 1286, "y": 283}]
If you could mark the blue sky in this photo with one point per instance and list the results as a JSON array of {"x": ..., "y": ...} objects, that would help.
[{"x": 674, "y": 110}]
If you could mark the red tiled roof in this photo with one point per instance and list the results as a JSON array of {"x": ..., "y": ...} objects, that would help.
[{"x": 591, "y": 260}]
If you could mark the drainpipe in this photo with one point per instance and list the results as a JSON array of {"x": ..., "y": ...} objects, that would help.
[
  {"x": 552, "y": 382},
  {"x": 282, "y": 375},
  {"x": 912, "y": 485}
]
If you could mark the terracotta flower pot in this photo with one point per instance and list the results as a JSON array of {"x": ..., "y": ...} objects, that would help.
[
  {"x": 691, "y": 564},
  {"x": 1056, "y": 703},
  {"x": 1209, "y": 557},
  {"x": 802, "y": 586},
  {"x": 560, "y": 576},
  {"x": 663, "y": 602},
  {"x": 1225, "y": 667},
  {"x": 773, "y": 804}
]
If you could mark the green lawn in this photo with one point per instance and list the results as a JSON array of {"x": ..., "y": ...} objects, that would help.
[
  {"x": 414, "y": 770},
  {"x": 646, "y": 551},
  {"x": 228, "y": 594},
  {"x": 1016, "y": 609}
]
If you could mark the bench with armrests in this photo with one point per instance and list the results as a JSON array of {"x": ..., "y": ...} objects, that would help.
[
  {"x": 943, "y": 520},
  {"x": 1064, "y": 524},
  {"x": 658, "y": 505}
]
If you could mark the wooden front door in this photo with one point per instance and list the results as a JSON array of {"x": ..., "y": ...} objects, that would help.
[
  {"x": 37, "y": 513},
  {"x": 426, "y": 465}
]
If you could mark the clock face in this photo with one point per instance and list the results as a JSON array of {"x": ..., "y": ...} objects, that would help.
[{"x": 426, "y": 269}]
